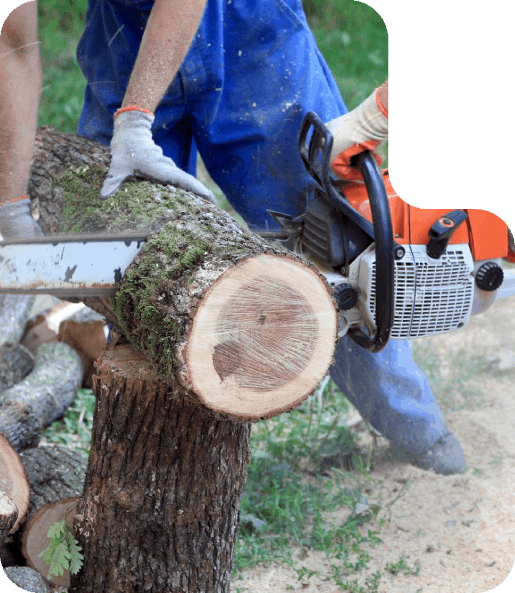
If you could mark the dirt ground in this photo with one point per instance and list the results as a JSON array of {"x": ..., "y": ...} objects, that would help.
[{"x": 459, "y": 530}]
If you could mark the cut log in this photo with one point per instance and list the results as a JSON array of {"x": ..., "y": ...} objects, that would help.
[
  {"x": 16, "y": 362},
  {"x": 13, "y": 483},
  {"x": 42, "y": 397},
  {"x": 162, "y": 491},
  {"x": 54, "y": 472},
  {"x": 248, "y": 328},
  {"x": 14, "y": 312},
  {"x": 19, "y": 424},
  {"x": 35, "y": 538}
]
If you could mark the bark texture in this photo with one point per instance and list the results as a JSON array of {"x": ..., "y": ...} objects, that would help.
[
  {"x": 161, "y": 500},
  {"x": 16, "y": 362},
  {"x": 42, "y": 397},
  {"x": 14, "y": 312}
]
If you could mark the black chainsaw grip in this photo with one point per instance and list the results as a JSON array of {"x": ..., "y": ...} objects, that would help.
[
  {"x": 384, "y": 247},
  {"x": 314, "y": 144}
]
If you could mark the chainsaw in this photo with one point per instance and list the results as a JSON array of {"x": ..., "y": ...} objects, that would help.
[{"x": 396, "y": 271}]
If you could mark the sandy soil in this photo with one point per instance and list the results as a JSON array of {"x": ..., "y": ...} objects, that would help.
[{"x": 460, "y": 530}]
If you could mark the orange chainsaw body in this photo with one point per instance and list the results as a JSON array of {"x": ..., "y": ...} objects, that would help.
[{"x": 485, "y": 232}]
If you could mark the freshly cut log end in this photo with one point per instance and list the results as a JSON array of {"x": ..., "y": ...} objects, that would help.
[
  {"x": 262, "y": 338},
  {"x": 13, "y": 480},
  {"x": 35, "y": 538}
]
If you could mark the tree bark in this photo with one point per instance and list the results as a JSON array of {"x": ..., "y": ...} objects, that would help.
[
  {"x": 161, "y": 499},
  {"x": 14, "y": 312},
  {"x": 42, "y": 397},
  {"x": 16, "y": 362}
]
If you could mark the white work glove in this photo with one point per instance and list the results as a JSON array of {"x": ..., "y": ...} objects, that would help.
[
  {"x": 134, "y": 152},
  {"x": 16, "y": 221},
  {"x": 363, "y": 128}
]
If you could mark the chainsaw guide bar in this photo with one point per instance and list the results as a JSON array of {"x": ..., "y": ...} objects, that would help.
[{"x": 67, "y": 265}]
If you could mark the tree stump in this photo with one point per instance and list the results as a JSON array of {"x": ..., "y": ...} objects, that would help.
[{"x": 161, "y": 498}]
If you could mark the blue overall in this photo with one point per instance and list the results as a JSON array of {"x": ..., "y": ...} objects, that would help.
[{"x": 251, "y": 74}]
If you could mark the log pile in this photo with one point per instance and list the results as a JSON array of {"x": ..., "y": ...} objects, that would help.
[{"x": 39, "y": 379}]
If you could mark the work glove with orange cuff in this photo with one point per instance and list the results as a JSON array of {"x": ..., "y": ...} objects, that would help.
[
  {"x": 134, "y": 152},
  {"x": 16, "y": 221},
  {"x": 363, "y": 128}
]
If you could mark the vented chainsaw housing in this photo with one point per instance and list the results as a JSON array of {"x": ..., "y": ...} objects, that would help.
[{"x": 430, "y": 296}]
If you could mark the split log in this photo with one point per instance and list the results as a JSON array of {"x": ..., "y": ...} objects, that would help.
[
  {"x": 14, "y": 312},
  {"x": 162, "y": 492},
  {"x": 74, "y": 324},
  {"x": 14, "y": 484},
  {"x": 41, "y": 328},
  {"x": 85, "y": 333},
  {"x": 42, "y": 397},
  {"x": 16, "y": 362},
  {"x": 247, "y": 327}
]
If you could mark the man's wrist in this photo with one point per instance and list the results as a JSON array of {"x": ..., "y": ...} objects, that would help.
[{"x": 127, "y": 108}]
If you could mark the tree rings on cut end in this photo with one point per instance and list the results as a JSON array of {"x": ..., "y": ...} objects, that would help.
[{"x": 262, "y": 339}]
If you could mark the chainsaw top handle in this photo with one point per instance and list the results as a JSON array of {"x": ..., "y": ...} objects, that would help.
[{"x": 315, "y": 150}]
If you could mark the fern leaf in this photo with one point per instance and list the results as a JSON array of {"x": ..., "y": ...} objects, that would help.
[
  {"x": 57, "y": 529},
  {"x": 60, "y": 560},
  {"x": 76, "y": 557}
]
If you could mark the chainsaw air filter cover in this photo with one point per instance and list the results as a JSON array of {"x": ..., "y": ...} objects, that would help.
[
  {"x": 431, "y": 296},
  {"x": 328, "y": 236}
]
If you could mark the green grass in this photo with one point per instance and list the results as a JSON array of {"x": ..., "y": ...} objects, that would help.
[{"x": 292, "y": 492}]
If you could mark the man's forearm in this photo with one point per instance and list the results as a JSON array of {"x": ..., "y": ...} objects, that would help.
[
  {"x": 167, "y": 37},
  {"x": 383, "y": 95},
  {"x": 20, "y": 88}
]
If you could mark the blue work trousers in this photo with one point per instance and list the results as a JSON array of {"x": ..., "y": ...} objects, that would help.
[{"x": 251, "y": 74}]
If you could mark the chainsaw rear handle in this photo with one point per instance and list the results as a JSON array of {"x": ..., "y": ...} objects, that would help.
[{"x": 315, "y": 152}]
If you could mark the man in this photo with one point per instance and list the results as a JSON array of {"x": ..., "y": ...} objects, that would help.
[{"x": 234, "y": 79}]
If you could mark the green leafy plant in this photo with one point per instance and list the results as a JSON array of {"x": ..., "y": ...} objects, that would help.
[{"x": 63, "y": 551}]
